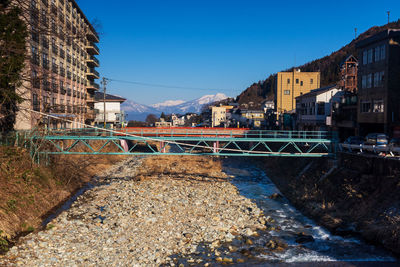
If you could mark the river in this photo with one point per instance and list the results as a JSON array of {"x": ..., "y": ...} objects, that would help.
[{"x": 253, "y": 183}]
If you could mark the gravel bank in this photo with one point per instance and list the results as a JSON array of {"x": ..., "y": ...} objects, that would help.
[{"x": 125, "y": 221}]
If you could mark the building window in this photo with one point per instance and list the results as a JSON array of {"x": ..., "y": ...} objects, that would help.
[
  {"x": 301, "y": 83},
  {"x": 297, "y": 81},
  {"x": 365, "y": 106},
  {"x": 365, "y": 57},
  {"x": 369, "y": 80},
  {"x": 286, "y": 92},
  {"x": 381, "y": 78},
  {"x": 377, "y": 53},
  {"x": 311, "y": 81},
  {"x": 376, "y": 79},
  {"x": 320, "y": 108},
  {"x": 378, "y": 106},
  {"x": 288, "y": 81},
  {"x": 364, "y": 82},
  {"x": 370, "y": 56},
  {"x": 383, "y": 52}
]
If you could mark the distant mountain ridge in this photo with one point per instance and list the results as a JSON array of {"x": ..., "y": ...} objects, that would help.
[
  {"x": 139, "y": 112},
  {"x": 329, "y": 66}
]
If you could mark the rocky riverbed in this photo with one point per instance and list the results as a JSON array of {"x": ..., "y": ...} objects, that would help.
[{"x": 147, "y": 216}]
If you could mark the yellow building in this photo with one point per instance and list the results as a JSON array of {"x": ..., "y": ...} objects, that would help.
[{"x": 292, "y": 84}]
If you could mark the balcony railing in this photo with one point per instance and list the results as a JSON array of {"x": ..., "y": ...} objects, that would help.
[
  {"x": 93, "y": 85},
  {"x": 45, "y": 43},
  {"x": 36, "y": 83},
  {"x": 36, "y": 106},
  {"x": 62, "y": 71},
  {"x": 68, "y": 74},
  {"x": 69, "y": 92},
  {"x": 93, "y": 61},
  {"x": 62, "y": 53},
  {"x": 92, "y": 48},
  {"x": 93, "y": 72},
  {"x": 45, "y": 2},
  {"x": 46, "y": 86},
  {"x": 68, "y": 58},
  {"x": 54, "y": 88},
  {"x": 35, "y": 37},
  {"x": 35, "y": 59},
  {"x": 46, "y": 64},
  {"x": 44, "y": 21},
  {"x": 53, "y": 9},
  {"x": 54, "y": 68},
  {"x": 62, "y": 90}
]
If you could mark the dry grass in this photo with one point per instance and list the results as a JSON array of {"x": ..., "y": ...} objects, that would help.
[
  {"x": 194, "y": 167},
  {"x": 29, "y": 191}
]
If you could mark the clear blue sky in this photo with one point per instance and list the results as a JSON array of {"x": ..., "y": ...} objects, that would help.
[{"x": 219, "y": 44}]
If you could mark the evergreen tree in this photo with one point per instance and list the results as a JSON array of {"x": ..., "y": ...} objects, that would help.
[{"x": 13, "y": 33}]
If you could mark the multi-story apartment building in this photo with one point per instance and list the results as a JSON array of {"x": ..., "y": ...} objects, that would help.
[
  {"x": 379, "y": 83},
  {"x": 289, "y": 85},
  {"x": 60, "y": 73}
]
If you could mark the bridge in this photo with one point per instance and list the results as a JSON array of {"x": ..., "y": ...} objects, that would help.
[{"x": 186, "y": 141}]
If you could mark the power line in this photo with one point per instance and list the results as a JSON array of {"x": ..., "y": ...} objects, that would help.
[{"x": 169, "y": 86}]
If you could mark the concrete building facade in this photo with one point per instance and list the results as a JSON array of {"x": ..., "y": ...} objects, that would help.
[
  {"x": 114, "y": 115},
  {"x": 313, "y": 109},
  {"x": 289, "y": 85},
  {"x": 379, "y": 83},
  {"x": 60, "y": 70}
]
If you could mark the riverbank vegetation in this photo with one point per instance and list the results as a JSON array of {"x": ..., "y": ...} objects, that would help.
[
  {"x": 360, "y": 195},
  {"x": 30, "y": 192}
]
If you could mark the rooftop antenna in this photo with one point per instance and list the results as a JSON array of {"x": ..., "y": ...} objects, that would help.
[{"x": 388, "y": 13}]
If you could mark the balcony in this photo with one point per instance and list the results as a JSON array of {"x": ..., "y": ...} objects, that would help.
[
  {"x": 69, "y": 75},
  {"x": 46, "y": 64},
  {"x": 92, "y": 48},
  {"x": 46, "y": 86},
  {"x": 69, "y": 58},
  {"x": 90, "y": 99},
  {"x": 36, "y": 83},
  {"x": 35, "y": 37},
  {"x": 35, "y": 59},
  {"x": 45, "y": 2},
  {"x": 69, "y": 109},
  {"x": 36, "y": 106},
  {"x": 62, "y": 72},
  {"x": 62, "y": 53},
  {"x": 54, "y": 9},
  {"x": 92, "y": 86},
  {"x": 62, "y": 90},
  {"x": 44, "y": 21},
  {"x": 92, "y": 62},
  {"x": 54, "y": 68},
  {"x": 92, "y": 36},
  {"x": 92, "y": 73},
  {"x": 45, "y": 43},
  {"x": 54, "y": 49},
  {"x": 54, "y": 88},
  {"x": 69, "y": 92}
]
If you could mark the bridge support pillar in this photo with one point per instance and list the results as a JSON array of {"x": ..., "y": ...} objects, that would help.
[
  {"x": 162, "y": 147},
  {"x": 216, "y": 147}
]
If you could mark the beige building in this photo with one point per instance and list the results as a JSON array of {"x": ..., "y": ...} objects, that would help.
[
  {"x": 218, "y": 115},
  {"x": 292, "y": 84},
  {"x": 61, "y": 67}
]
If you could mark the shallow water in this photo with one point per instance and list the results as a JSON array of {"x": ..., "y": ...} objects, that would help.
[{"x": 253, "y": 183}]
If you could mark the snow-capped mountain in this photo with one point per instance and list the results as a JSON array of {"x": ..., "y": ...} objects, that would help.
[
  {"x": 167, "y": 103},
  {"x": 138, "y": 111}
]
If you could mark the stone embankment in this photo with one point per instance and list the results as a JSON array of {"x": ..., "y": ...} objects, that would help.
[{"x": 145, "y": 216}]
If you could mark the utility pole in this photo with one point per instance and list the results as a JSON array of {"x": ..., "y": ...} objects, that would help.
[
  {"x": 104, "y": 83},
  {"x": 388, "y": 13},
  {"x": 355, "y": 33}
]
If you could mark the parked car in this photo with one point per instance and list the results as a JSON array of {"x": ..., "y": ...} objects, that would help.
[
  {"x": 376, "y": 142},
  {"x": 354, "y": 140},
  {"x": 353, "y": 143},
  {"x": 394, "y": 146}
]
